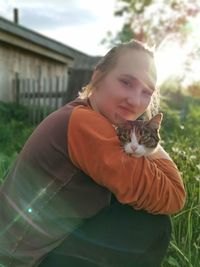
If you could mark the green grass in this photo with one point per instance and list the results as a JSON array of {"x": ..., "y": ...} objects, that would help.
[
  {"x": 182, "y": 141},
  {"x": 184, "y": 250}
]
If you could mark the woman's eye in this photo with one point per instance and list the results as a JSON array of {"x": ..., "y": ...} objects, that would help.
[
  {"x": 127, "y": 83},
  {"x": 147, "y": 93}
]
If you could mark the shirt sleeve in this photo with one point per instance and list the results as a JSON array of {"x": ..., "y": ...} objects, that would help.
[{"x": 155, "y": 186}]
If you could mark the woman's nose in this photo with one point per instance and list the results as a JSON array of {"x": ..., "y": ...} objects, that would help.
[{"x": 133, "y": 100}]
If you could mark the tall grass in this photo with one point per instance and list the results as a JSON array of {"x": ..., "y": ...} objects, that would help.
[
  {"x": 14, "y": 131},
  {"x": 182, "y": 141}
]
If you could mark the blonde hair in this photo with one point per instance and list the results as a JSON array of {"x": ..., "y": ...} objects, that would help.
[{"x": 108, "y": 62}]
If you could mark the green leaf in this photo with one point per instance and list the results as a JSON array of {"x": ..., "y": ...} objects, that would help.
[{"x": 173, "y": 262}]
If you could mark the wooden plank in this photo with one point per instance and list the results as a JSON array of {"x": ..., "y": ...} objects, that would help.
[
  {"x": 17, "y": 88},
  {"x": 28, "y": 102},
  {"x": 38, "y": 101},
  {"x": 63, "y": 90},
  {"x": 50, "y": 91},
  {"x": 45, "y": 98},
  {"x": 33, "y": 102},
  {"x": 57, "y": 92}
]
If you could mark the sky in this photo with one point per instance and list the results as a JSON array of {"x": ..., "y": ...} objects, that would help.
[{"x": 81, "y": 24}]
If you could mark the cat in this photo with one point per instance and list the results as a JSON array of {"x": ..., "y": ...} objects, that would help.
[{"x": 140, "y": 138}]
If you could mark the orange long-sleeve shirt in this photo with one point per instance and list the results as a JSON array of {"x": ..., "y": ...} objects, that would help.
[{"x": 155, "y": 186}]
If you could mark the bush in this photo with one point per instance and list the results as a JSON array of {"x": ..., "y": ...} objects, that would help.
[
  {"x": 14, "y": 131},
  {"x": 13, "y": 111},
  {"x": 13, "y": 136}
]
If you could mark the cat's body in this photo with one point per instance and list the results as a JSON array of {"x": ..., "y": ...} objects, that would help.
[{"x": 140, "y": 138}]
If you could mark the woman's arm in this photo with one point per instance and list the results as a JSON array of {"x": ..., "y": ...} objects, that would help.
[{"x": 153, "y": 185}]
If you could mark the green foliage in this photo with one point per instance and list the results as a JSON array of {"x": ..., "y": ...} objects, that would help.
[
  {"x": 194, "y": 89},
  {"x": 38, "y": 113},
  {"x": 13, "y": 135},
  {"x": 150, "y": 21},
  {"x": 5, "y": 163},
  {"x": 132, "y": 6},
  {"x": 181, "y": 139},
  {"x": 13, "y": 111},
  {"x": 14, "y": 130},
  {"x": 125, "y": 35}
]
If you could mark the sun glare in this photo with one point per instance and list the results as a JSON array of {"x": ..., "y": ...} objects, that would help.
[
  {"x": 169, "y": 61},
  {"x": 172, "y": 56}
]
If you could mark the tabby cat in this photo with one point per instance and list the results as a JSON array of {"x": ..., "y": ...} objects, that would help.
[{"x": 140, "y": 138}]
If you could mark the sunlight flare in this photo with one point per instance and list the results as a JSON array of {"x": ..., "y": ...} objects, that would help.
[
  {"x": 169, "y": 61},
  {"x": 180, "y": 59}
]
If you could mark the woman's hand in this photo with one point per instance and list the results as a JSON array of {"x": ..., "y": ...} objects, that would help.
[{"x": 159, "y": 153}]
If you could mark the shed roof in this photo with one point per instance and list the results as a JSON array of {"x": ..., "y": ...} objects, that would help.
[{"x": 81, "y": 60}]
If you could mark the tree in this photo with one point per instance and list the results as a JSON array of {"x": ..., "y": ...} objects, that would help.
[{"x": 150, "y": 20}]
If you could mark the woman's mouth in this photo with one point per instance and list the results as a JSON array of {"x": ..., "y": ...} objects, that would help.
[{"x": 126, "y": 111}]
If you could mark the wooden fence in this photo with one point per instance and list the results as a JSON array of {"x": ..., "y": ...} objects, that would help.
[{"x": 41, "y": 96}]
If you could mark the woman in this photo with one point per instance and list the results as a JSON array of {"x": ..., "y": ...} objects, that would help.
[{"x": 57, "y": 197}]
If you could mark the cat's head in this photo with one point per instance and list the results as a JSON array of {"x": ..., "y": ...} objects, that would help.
[{"x": 140, "y": 138}]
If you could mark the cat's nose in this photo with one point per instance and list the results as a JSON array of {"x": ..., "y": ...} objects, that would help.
[{"x": 134, "y": 147}]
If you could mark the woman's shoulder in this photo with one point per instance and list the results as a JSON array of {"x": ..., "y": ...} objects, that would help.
[
  {"x": 84, "y": 113},
  {"x": 84, "y": 120}
]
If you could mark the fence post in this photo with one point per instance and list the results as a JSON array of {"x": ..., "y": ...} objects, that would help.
[
  {"x": 57, "y": 92},
  {"x": 50, "y": 92},
  {"x": 64, "y": 90},
  {"x": 44, "y": 97},
  {"x": 17, "y": 88},
  {"x": 33, "y": 109}
]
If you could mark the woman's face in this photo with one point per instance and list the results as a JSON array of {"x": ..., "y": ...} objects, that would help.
[{"x": 126, "y": 91}]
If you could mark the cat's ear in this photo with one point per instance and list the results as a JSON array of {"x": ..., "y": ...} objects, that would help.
[{"x": 155, "y": 122}]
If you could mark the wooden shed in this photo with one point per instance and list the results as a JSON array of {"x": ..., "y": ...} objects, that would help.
[{"x": 31, "y": 60}]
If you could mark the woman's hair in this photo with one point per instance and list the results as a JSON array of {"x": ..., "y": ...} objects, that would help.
[{"x": 108, "y": 62}]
